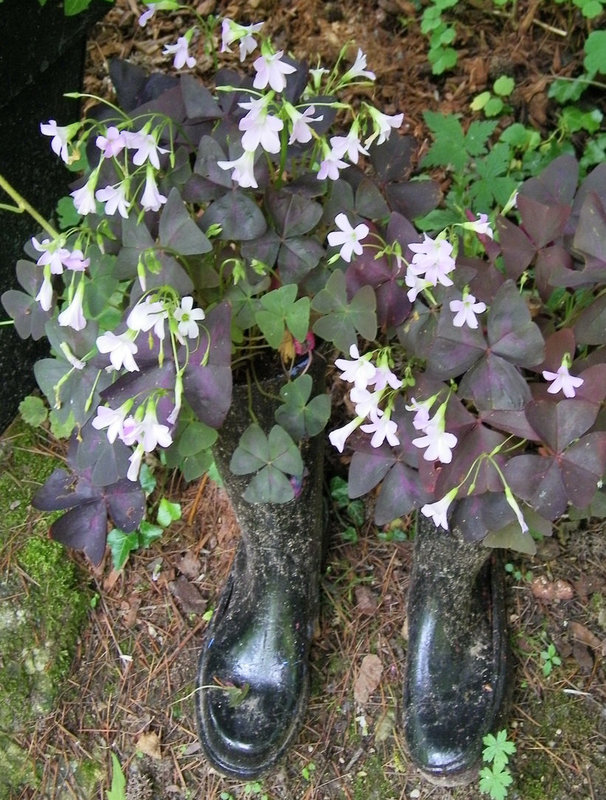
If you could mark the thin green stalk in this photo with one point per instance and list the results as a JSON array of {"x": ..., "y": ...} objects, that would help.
[{"x": 24, "y": 206}]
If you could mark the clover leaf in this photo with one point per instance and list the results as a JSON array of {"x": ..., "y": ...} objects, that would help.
[{"x": 271, "y": 457}]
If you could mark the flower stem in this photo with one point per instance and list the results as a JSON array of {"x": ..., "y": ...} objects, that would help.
[{"x": 23, "y": 205}]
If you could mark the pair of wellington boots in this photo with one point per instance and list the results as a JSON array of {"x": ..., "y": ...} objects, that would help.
[{"x": 253, "y": 679}]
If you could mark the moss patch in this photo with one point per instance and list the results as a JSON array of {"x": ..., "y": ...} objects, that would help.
[
  {"x": 564, "y": 724},
  {"x": 42, "y": 605}
]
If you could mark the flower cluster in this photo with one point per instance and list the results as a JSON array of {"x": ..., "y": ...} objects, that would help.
[{"x": 274, "y": 215}]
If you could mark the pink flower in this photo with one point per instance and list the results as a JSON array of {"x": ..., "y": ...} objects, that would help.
[
  {"x": 366, "y": 403},
  {"x": 112, "y": 143},
  {"x": 438, "y": 510},
  {"x": 349, "y": 146},
  {"x": 114, "y": 198},
  {"x": 421, "y": 417},
  {"x": 383, "y": 125},
  {"x": 151, "y": 432},
  {"x": 45, "y": 293},
  {"x": 147, "y": 315},
  {"x": 146, "y": 146},
  {"x": 301, "y": 131},
  {"x": 233, "y": 32},
  {"x": 438, "y": 442},
  {"x": 151, "y": 199},
  {"x": 432, "y": 259},
  {"x": 385, "y": 377},
  {"x": 260, "y": 127},
  {"x": 339, "y": 437},
  {"x": 360, "y": 372},
  {"x": 348, "y": 237},
  {"x": 76, "y": 261},
  {"x": 188, "y": 317},
  {"x": 60, "y": 138},
  {"x": 416, "y": 284},
  {"x": 121, "y": 350},
  {"x": 180, "y": 50},
  {"x": 330, "y": 166},
  {"x": 358, "y": 69},
  {"x": 243, "y": 169},
  {"x": 73, "y": 316},
  {"x": 381, "y": 428},
  {"x": 563, "y": 381},
  {"x": 272, "y": 71},
  {"x": 84, "y": 197},
  {"x": 53, "y": 254},
  {"x": 112, "y": 419},
  {"x": 465, "y": 311}
]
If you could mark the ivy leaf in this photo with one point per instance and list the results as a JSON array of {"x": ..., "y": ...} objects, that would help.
[
  {"x": 343, "y": 320},
  {"x": 595, "y": 52}
]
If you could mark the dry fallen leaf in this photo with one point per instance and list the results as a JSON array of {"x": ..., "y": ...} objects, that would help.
[
  {"x": 189, "y": 565},
  {"x": 189, "y": 597},
  {"x": 149, "y": 744},
  {"x": 368, "y": 678},
  {"x": 366, "y": 601},
  {"x": 583, "y": 635}
]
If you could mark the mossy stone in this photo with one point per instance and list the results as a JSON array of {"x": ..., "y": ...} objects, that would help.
[{"x": 42, "y": 605}]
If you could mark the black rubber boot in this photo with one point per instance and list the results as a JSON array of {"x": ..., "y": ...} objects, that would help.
[
  {"x": 253, "y": 679},
  {"x": 457, "y": 673}
]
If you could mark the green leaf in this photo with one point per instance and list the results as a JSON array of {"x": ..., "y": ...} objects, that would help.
[
  {"x": 148, "y": 533},
  {"x": 121, "y": 545},
  {"x": 147, "y": 479},
  {"x": 167, "y": 512},
  {"x": 296, "y": 415},
  {"x": 477, "y": 136},
  {"x": 504, "y": 86},
  {"x": 118, "y": 788},
  {"x": 478, "y": 103},
  {"x": 195, "y": 437},
  {"x": 279, "y": 311},
  {"x": 494, "y": 107},
  {"x": 66, "y": 213},
  {"x": 442, "y": 58},
  {"x": 72, "y": 7},
  {"x": 33, "y": 410},
  {"x": 270, "y": 485},
  {"x": 342, "y": 321},
  {"x": 595, "y": 52},
  {"x": 495, "y": 782},
  {"x": 448, "y": 148},
  {"x": 497, "y": 748}
]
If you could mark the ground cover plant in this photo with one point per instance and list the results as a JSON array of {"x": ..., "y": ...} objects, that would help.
[{"x": 469, "y": 240}]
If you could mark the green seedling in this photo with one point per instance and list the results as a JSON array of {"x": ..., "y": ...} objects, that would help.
[
  {"x": 550, "y": 659},
  {"x": 495, "y": 777}
]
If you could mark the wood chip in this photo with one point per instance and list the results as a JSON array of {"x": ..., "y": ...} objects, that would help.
[{"x": 366, "y": 601}]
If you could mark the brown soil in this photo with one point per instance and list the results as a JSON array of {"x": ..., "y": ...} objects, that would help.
[{"x": 131, "y": 689}]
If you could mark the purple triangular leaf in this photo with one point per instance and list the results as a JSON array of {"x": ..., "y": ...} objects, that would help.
[
  {"x": 583, "y": 466},
  {"x": 518, "y": 251},
  {"x": 126, "y": 504},
  {"x": 83, "y": 528},
  {"x": 64, "y": 490},
  {"x": 559, "y": 424},
  {"x": 367, "y": 469},
  {"x": 493, "y": 383},
  {"x": 538, "y": 480},
  {"x": 178, "y": 231},
  {"x": 401, "y": 492}
]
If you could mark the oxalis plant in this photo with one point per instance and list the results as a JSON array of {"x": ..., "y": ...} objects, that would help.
[{"x": 217, "y": 229}]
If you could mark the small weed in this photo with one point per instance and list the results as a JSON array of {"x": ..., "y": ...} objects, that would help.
[
  {"x": 493, "y": 105},
  {"x": 517, "y": 573},
  {"x": 495, "y": 778},
  {"x": 255, "y": 789},
  {"x": 550, "y": 659},
  {"x": 308, "y": 771},
  {"x": 350, "y": 512},
  {"x": 118, "y": 787}
]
